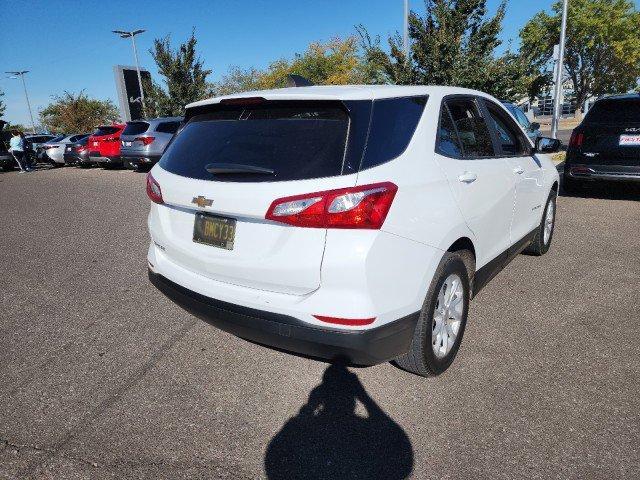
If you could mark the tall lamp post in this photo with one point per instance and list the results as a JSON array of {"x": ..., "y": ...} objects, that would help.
[
  {"x": 557, "y": 104},
  {"x": 132, "y": 36},
  {"x": 20, "y": 74}
]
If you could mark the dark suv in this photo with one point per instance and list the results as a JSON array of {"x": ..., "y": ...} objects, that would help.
[{"x": 606, "y": 145}]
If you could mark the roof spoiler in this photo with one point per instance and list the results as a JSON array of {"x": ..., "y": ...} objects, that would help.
[{"x": 297, "y": 81}]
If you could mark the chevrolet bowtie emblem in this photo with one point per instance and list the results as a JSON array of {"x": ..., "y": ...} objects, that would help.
[{"x": 202, "y": 201}]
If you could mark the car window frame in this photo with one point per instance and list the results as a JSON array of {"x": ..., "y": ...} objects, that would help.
[
  {"x": 480, "y": 107},
  {"x": 523, "y": 138}
]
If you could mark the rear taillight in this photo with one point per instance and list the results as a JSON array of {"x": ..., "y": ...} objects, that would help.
[
  {"x": 145, "y": 140},
  {"x": 576, "y": 139},
  {"x": 365, "y": 206},
  {"x": 153, "y": 189},
  {"x": 80, "y": 149}
]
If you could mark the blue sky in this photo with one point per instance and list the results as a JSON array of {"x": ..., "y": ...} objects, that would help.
[{"x": 68, "y": 45}]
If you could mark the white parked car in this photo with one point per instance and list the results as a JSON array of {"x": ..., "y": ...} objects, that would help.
[
  {"x": 55, "y": 148},
  {"x": 347, "y": 223}
]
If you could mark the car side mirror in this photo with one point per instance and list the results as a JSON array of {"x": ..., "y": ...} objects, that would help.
[
  {"x": 547, "y": 145},
  {"x": 534, "y": 126}
]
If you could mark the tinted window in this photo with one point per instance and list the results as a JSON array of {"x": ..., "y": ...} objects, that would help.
[
  {"x": 135, "y": 128},
  {"x": 168, "y": 127},
  {"x": 614, "y": 111},
  {"x": 105, "y": 131},
  {"x": 472, "y": 129},
  {"x": 393, "y": 123},
  {"x": 448, "y": 141},
  {"x": 509, "y": 135},
  {"x": 297, "y": 140},
  {"x": 56, "y": 139}
]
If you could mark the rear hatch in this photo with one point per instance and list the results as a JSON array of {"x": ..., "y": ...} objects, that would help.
[
  {"x": 609, "y": 136},
  {"x": 135, "y": 139},
  {"x": 232, "y": 161},
  {"x": 105, "y": 141}
]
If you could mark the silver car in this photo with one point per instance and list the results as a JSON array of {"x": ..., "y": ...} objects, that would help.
[
  {"x": 55, "y": 148},
  {"x": 144, "y": 141}
]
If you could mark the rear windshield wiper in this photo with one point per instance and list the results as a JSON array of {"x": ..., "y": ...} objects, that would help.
[{"x": 237, "y": 168}]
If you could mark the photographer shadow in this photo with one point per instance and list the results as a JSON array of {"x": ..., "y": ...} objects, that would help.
[{"x": 329, "y": 439}]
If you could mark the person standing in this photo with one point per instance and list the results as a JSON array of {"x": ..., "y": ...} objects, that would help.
[{"x": 16, "y": 147}]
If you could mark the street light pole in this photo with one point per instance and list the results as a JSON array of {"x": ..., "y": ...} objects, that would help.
[
  {"x": 132, "y": 35},
  {"x": 26, "y": 95},
  {"x": 405, "y": 30},
  {"x": 557, "y": 104}
]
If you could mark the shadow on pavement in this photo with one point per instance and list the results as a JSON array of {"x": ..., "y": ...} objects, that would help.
[
  {"x": 605, "y": 191},
  {"x": 329, "y": 439}
]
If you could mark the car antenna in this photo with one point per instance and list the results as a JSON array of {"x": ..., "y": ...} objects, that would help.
[{"x": 294, "y": 80}]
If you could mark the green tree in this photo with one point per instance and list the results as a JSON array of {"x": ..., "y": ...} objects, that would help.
[
  {"x": 602, "y": 53},
  {"x": 184, "y": 77},
  {"x": 71, "y": 113},
  {"x": 335, "y": 62},
  {"x": 2, "y": 105},
  {"x": 452, "y": 44}
]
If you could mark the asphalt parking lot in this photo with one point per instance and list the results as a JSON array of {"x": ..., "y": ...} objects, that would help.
[{"x": 102, "y": 377}]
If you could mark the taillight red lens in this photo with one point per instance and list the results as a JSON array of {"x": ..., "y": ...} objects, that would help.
[
  {"x": 576, "y": 139},
  {"x": 80, "y": 149},
  {"x": 364, "y": 206},
  {"x": 153, "y": 189},
  {"x": 144, "y": 140},
  {"x": 346, "y": 321}
]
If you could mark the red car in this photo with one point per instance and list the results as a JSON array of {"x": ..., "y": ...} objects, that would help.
[{"x": 104, "y": 145}]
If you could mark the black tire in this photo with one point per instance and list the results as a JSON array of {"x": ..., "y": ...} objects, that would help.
[
  {"x": 538, "y": 246},
  {"x": 421, "y": 359}
]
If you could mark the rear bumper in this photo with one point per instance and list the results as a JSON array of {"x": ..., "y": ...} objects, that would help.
[
  {"x": 283, "y": 332},
  {"x": 140, "y": 158},
  {"x": 616, "y": 173},
  {"x": 95, "y": 157}
]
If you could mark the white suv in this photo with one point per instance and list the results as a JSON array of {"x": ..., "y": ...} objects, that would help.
[{"x": 347, "y": 223}]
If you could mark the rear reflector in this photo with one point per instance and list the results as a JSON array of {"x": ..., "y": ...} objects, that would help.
[
  {"x": 364, "y": 206},
  {"x": 153, "y": 190},
  {"x": 346, "y": 321},
  {"x": 580, "y": 170}
]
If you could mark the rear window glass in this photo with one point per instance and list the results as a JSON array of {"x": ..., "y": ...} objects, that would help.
[
  {"x": 296, "y": 140},
  {"x": 614, "y": 111},
  {"x": 135, "y": 128},
  {"x": 168, "y": 127},
  {"x": 105, "y": 131},
  {"x": 393, "y": 123},
  {"x": 57, "y": 139}
]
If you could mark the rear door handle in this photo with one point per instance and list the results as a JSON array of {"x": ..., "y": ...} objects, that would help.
[
  {"x": 467, "y": 177},
  {"x": 519, "y": 170}
]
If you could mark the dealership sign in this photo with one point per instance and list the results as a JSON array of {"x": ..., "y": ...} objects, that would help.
[{"x": 128, "y": 90}]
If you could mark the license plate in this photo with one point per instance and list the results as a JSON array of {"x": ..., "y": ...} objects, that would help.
[
  {"x": 629, "y": 140},
  {"x": 215, "y": 231}
]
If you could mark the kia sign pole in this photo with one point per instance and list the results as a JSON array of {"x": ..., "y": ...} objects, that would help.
[
  {"x": 132, "y": 35},
  {"x": 557, "y": 100},
  {"x": 26, "y": 95}
]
